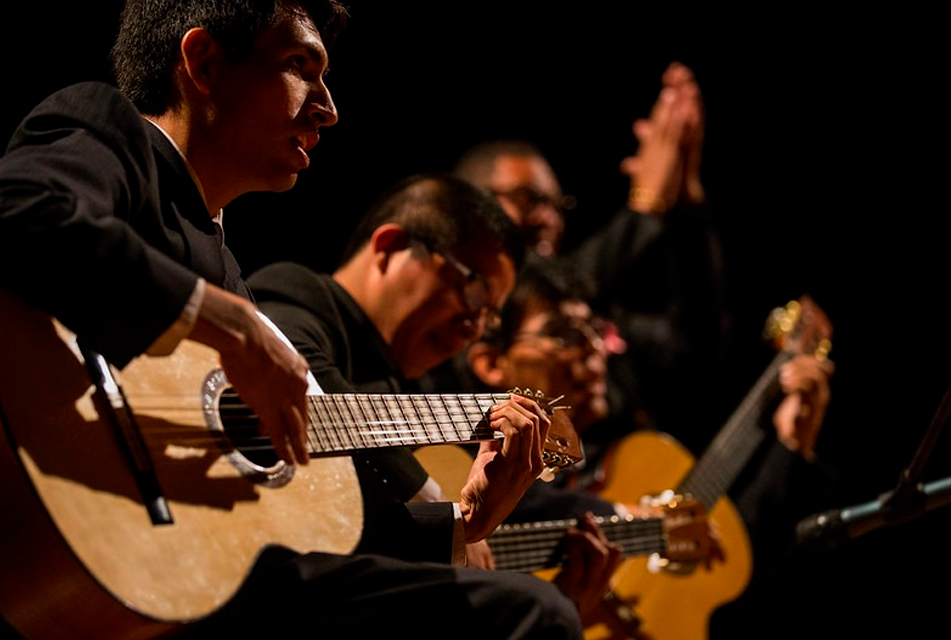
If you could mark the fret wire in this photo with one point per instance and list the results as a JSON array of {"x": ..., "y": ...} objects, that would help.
[
  {"x": 337, "y": 433},
  {"x": 350, "y": 433},
  {"x": 458, "y": 423},
  {"x": 380, "y": 415},
  {"x": 472, "y": 408},
  {"x": 312, "y": 422},
  {"x": 367, "y": 424},
  {"x": 423, "y": 420},
  {"x": 392, "y": 418},
  {"x": 459, "y": 410},
  {"x": 472, "y": 404},
  {"x": 330, "y": 433},
  {"x": 436, "y": 405},
  {"x": 531, "y": 547},
  {"x": 373, "y": 413},
  {"x": 445, "y": 417},
  {"x": 455, "y": 411},
  {"x": 386, "y": 422},
  {"x": 325, "y": 433},
  {"x": 443, "y": 425},
  {"x": 351, "y": 422},
  {"x": 727, "y": 454},
  {"x": 341, "y": 434},
  {"x": 317, "y": 423},
  {"x": 394, "y": 431}
]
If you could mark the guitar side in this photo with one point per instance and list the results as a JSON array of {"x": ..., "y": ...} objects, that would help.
[
  {"x": 644, "y": 464},
  {"x": 81, "y": 556}
]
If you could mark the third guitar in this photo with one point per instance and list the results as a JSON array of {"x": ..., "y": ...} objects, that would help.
[{"x": 667, "y": 601}]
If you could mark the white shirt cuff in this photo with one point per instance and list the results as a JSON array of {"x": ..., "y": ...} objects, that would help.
[
  {"x": 166, "y": 343},
  {"x": 458, "y": 537}
]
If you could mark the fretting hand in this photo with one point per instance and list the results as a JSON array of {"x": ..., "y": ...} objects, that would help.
[{"x": 503, "y": 470}]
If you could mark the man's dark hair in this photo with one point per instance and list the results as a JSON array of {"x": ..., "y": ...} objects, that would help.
[
  {"x": 551, "y": 281},
  {"x": 440, "y": 211},
  {"x": 476, "y": 163},
  {"x": 146, "y": 50}
]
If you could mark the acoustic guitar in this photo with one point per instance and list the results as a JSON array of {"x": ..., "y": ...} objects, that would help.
[
  {"x": 673, "y": 601},
  {"x": 656, "y": 594},
  {"x": 134, "y": 503},
  {"x": 678, "y": 534}
]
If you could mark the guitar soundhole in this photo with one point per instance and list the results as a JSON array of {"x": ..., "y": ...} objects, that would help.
[
  {"x": 240, "y": 425},
  {"x": 246, "y": 448}
]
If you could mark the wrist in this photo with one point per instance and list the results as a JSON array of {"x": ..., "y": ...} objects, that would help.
[
  {"x": 645, "y": 200},
  {"x": 694, "y": 192},
  {"x": 458, "y": 537}
]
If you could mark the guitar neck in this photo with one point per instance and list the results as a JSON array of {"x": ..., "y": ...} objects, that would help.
[
  {"x": 734, "y": 445},
  {"x": 535, "y": 546},
  {"x": 341, "y": 423}
]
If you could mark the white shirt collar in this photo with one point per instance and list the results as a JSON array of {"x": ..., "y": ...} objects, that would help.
[{"x": 217, "y": 217}]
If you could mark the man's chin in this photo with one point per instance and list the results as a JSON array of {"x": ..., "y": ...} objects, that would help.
[
  {"x": 281, "y": 184},
  {"x": 289, "y": 182}
]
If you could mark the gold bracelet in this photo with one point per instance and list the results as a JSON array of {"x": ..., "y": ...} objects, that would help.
[{"x": 645, "y": 200}]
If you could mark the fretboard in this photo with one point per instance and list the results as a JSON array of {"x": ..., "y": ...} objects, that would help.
[
  {"x": 344, "y": 422},
  {"x": 734, "y": 445},
  {"x": 538, "y": 545}
]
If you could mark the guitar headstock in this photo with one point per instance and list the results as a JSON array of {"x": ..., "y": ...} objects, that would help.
[
  {"x": 800, "y": 327},
  {"x": 563, "y": 446},
  {"x": 690, "y": 539}
]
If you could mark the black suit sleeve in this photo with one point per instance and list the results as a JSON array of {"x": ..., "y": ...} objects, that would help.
[{"x": 79, "y": 186}]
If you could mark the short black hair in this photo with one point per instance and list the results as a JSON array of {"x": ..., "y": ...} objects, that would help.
[
  {"x": 440, "y": 211},
  {"x": 552, "y": 280},
  {"x": 146, "y": 51}
]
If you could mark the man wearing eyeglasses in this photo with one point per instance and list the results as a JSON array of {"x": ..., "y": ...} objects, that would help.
[
  {"x": 656, "y": 261},
  {"x": 424, "y": 275},
  {"x": 549, "y": 338}
]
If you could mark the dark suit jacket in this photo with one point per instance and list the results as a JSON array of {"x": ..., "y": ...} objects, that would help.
[
  {"x": 101, "y": 224},
  {"x": 346, "y": 353}
]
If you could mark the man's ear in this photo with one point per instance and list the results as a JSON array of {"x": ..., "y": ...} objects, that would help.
[
  {"x": 389, "y": 237},
  {"x": 386, "y": 240},
  {"x": 487, "y": 363},
  {"x": 199, "y": 53}
]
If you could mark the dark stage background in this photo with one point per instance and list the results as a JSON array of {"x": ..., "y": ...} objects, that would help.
[{"x": 823, "y": 144}]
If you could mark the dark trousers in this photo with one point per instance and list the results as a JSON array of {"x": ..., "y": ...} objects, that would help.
[{"x": 365, "y": 596}]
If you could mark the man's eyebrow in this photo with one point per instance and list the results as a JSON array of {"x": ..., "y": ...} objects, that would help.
[{"x": 317, "y": 53}]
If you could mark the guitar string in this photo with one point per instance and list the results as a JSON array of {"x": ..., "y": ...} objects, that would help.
[
  {"x": 712, "y": 475},
  {"x": 719, "y": 466},
  {"x": 534, "y": 546},
  {"x": 405, "y": 430},
  {"x": 332, "y": 429}
]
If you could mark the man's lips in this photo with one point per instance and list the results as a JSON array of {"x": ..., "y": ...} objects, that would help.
[{"x": 308, "y": 141}]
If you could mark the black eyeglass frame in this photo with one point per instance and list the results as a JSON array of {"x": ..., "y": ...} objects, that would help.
[
  {"x": 475, "y": 291},
  {"x": 527, "y": 198},
  {"x": 568, "y": 332}
]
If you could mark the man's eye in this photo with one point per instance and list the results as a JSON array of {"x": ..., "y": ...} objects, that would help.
[{"x": 298, "y": 62}]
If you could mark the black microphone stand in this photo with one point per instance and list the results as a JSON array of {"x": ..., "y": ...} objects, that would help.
[{"x": 909, "y": 500}]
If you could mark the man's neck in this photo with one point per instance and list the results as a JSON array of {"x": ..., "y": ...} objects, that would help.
[{"x": 170, "y": 127}]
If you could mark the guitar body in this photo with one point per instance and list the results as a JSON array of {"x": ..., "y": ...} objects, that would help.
[
  {"x": 81, "y": 557},
  {"x": 670, "y": 606},
  {"x": 677, "y": 606},
  {"x": 449, "y": 465}
]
